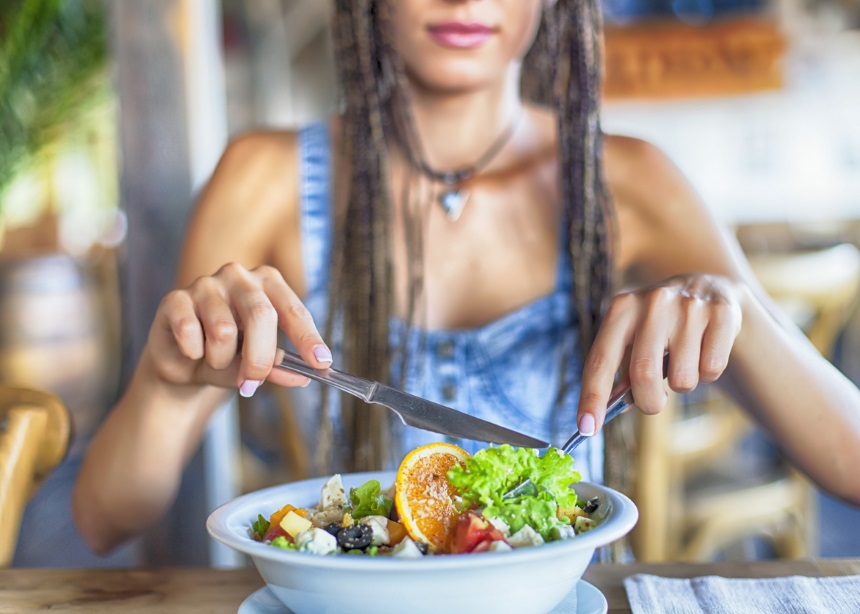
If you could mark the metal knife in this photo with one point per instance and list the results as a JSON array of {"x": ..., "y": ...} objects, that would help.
[{"x": 413, "y": 411}]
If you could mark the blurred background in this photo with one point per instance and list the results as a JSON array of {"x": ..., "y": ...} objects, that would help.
[{"x": 112, "y": 116}]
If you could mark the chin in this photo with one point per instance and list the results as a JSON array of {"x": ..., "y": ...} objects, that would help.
[{"x": 453, "y": 77}]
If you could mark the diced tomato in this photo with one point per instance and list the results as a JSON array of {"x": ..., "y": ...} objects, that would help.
[
  {"x": 474, "y": 533},
  {"x": 276, "y": 531}
]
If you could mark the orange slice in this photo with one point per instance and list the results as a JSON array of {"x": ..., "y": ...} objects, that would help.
[{"x": 423, "y": 495}]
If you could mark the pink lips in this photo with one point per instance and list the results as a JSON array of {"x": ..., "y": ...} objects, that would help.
[{"x": 460, "y": 35}]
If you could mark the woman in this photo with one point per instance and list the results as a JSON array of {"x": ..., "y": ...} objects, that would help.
[{"x": 489, "y": 251}]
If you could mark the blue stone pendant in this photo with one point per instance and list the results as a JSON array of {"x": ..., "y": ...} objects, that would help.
[{"x": 452, "y": 202}]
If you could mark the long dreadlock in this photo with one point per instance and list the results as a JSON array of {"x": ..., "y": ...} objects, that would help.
[{"x": 563, "y": 71}]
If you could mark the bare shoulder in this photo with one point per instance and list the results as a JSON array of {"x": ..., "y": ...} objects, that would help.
[
  {"x": 664, "y": 228},
  {"x": 643, "y": 178},
  {"x": 250, "y": 201},
  {"x": 259, "y": 148}
]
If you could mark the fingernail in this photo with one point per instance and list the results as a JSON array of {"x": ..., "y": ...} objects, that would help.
[
  {"x": 249, "y": 387},
  {"x": 322, "y": 353},
  {"x": 586, "y": 425}
]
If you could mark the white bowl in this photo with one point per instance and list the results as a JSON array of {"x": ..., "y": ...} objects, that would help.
[{"x": 527, "y": 580}]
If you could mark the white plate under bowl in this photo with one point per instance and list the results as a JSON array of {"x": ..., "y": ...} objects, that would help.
[
  {"x": 586, "y": 599},
  {"x": 531, "y": 580}
]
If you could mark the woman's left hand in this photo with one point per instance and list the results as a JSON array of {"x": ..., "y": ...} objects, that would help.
[{"x": 695, "y": 317}]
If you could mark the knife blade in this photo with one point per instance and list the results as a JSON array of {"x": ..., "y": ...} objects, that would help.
[{"x": 412, "y": 410}]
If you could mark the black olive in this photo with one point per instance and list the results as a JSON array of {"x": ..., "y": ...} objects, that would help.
[
  {"x": 333, "y": 528},
  {"x": 356, "y": 536},
  {"x": 592, "y": 505},
  {"x": 422, "y": 547}
]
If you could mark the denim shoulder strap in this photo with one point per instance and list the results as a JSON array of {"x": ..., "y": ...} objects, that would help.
[{"x": 315, "y": 202}]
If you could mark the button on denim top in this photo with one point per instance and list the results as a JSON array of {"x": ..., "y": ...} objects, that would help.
[{"x": 506, "y": 371}]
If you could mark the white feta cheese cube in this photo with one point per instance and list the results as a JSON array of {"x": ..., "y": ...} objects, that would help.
[
  {"x": 583, "y": 524},
  {"x": 563, "y": 531},
  {"x": 316, "y": 541},
  {"x": 332, "y": 495},
  {"x": 379, "y": 524},
  {"x": 500, "y": 546},
  {"x": 501, "y": 525},
  {"x": 406, "y": 549},
  {"x": 526, "y": 536}
]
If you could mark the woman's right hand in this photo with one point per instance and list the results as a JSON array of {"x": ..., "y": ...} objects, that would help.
[{"x": 195, "y": 337}]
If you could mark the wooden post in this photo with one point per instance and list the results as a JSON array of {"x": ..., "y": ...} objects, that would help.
[{"x": 173, "y": 128}]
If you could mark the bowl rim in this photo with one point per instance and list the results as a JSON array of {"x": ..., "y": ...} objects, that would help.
[{"x": 622, "y": 520}]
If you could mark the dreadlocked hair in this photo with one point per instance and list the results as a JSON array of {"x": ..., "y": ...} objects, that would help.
[
  {"x": 568, "y": 47},
  {"x": 361, "y": 282},
  {"x": 562, "y": 71}
]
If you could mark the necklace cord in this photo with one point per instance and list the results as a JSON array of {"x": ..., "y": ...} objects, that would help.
[{"x": 467, "y": 172}]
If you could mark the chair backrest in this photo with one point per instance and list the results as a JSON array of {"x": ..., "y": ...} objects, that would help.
[
  {"x": 818, "y": 290},
  {"x": 34, "y": 439}
]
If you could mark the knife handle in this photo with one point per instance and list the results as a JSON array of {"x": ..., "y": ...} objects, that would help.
[{"x": 356, "y": 386}]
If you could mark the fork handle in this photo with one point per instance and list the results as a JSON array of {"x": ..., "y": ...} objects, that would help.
[{"x": 615, "y": 407}]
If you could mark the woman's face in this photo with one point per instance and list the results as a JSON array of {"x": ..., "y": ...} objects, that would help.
[{"x": 460, "y": 45}]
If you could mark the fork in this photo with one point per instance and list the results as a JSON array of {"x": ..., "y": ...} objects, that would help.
[
  {"x": 622, "y": 401},
  {"x": 617, "y": 404}
]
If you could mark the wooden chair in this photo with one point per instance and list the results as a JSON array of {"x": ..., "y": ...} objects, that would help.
[
  {"x": 296, "y": 454},
  {"x": 818, "y": 289},
  {"x": 34, "y": 437}
]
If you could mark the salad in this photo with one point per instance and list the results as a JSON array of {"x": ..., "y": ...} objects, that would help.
[{"x": 443, "y": 501}]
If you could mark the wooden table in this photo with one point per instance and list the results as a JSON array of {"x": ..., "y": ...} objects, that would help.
[{"x": 199, "y": 590}]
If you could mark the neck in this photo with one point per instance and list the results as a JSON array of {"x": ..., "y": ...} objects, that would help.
[{"x": 455, "y": 129}]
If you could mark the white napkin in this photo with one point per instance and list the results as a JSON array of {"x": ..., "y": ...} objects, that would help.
[{"x": 650, "y": 594}]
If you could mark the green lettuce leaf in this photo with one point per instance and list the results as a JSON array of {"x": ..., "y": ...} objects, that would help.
[
  {"x": 260, "y": 526},
  {"x": 367, "y": 500},
  {"x": 539, "y": 512},
  {"x": 483, "y": 478}
]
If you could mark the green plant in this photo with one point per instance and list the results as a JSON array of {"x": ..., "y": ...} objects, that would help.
[{"x": 53, "y": 55}]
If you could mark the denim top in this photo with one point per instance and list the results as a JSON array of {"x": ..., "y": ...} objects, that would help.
[{"x": 506, "y": 371}]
